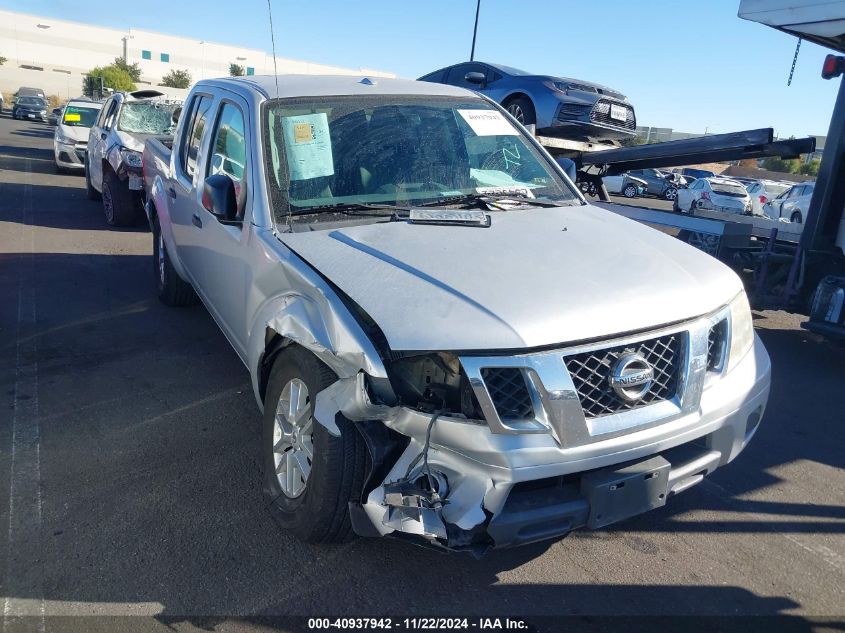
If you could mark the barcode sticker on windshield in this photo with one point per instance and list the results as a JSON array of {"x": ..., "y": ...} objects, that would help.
[{"x": 488, "y": 123}]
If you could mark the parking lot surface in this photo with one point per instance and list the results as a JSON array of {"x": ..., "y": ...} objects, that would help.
[{"x": 130, "y": 471}]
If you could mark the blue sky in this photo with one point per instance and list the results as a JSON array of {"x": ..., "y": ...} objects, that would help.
[{"x": 687, "y": 65}]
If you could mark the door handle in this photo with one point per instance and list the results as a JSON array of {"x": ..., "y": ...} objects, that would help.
[
  {"x": 196, "y": 220},
  {"x": 171, "y": 192}
]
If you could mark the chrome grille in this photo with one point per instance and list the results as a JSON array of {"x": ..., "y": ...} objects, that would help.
[
  {"x": 716, "y": 339},
  {"x": 509, "y": 392},
  {"x": 590, "y": 372},
  {"x": 601, "y": 114}
]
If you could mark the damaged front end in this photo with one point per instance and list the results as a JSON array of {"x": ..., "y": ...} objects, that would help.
[
  {"x": 416, "y": 487},
  {"x": 475, "y": 452}
]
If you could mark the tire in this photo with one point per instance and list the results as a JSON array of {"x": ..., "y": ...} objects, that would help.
[
  {"x": 315, "y": 508},
  {"x": 92, "y": 193},
  {"x": 629, "y": 190},
  {"x": 670, "y": 193},
  {"x": 796, "y": 217},
  {"x": 675, "y": 207},
  {"x": 521, "y": 109},
  {"x": 172, "y": 290},
  {"x": 119, "y": 205}
]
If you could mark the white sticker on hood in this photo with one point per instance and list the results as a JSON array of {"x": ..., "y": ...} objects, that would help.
[{"x": 488, "y": 123}]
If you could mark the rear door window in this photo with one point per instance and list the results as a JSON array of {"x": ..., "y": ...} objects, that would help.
[{"x": 192, "y": 134}]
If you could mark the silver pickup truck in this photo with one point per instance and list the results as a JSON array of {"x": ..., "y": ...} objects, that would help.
[{"x": 446, "y": 341}]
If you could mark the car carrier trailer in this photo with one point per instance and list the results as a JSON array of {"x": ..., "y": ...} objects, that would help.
[{"x": 800, "y": 268}]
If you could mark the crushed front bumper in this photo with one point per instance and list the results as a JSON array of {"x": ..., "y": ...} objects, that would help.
[{"x": 503, "y": 490}]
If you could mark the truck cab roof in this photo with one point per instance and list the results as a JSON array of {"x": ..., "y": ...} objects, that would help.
[{"x": 330, "y": 85}]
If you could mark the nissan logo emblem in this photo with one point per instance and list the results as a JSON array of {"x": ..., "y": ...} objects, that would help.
[{"x": 631, "y": 377}]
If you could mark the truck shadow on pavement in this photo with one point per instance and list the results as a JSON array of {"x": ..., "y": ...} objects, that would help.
[
  {"x": 76, "y": 212},
  {"x": 151, "y": 498}
]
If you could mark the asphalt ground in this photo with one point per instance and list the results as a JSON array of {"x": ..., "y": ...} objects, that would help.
[{"x": 130, "y": 471}]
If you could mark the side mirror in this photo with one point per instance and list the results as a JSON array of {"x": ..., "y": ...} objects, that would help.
[
  {"x": 476, "y": 78},
  {"x": 175, "y": 116},
  {"x": 219, "y": 198}
]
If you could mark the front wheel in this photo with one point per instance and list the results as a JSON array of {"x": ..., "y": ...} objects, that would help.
[
  {"x": 119, "y": 205},
  {"x": 670, "y": 193},
  {"x": 630, "y": 191},
  {"x": 310, "y": 476},
  {"x": 796, "y": 218},
  {"x": 521, "y": 109}
]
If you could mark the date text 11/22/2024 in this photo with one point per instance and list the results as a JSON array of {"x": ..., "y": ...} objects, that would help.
[{"x": 419, "y": 623}]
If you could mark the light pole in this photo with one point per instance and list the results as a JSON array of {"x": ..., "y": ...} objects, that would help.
[
  {"x": 125, "y": 39},
  {"x": 474, "y": 31}
]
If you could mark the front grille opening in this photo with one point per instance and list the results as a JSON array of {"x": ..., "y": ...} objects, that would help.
[
  {"x": 590, "y": 372},
  {"x": 509, "y": 392},
  {"x": 717, "y": 340},
  {"x": 601, "y": 114}
]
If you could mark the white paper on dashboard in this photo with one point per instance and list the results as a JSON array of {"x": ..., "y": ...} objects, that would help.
[
  {"x": 308, "y": 146},
  {"x": 488, "y": 123}
]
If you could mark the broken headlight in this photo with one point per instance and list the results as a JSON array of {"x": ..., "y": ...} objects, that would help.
[
  {"x": 434, "y": 382},
  {"x": 130, "y": 158}
]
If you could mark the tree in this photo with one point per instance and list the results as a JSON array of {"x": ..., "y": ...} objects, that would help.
[
  {"x": 630, "y": 142},
  {"x": 789, "y": 166},
  {"x": 810, "y": 169},
  {"x": 236, "y": 70},
  {"x": 113, "y": 77},
  {"x": 177, "y": 79},
  {"x": 2, "y": 60},
  {"x": 134, "y": 70}
]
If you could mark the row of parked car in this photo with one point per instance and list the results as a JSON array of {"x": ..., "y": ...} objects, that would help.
[{"x": 688, "y": 193}]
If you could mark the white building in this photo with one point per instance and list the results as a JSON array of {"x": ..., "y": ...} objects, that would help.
[{"x": 54, "y": 54}]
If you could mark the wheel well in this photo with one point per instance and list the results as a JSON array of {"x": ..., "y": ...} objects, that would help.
[
  {"x": 517, "y": 95},
  {"x": 273, "y": 344}
]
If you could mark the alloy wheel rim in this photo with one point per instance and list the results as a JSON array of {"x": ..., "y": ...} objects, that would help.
[
  {"x": 293, "y": 442},
  {"x": 671, "y": 193},
  {"x": 517, "y": 113},
  {"x": 161, "y": 259}
]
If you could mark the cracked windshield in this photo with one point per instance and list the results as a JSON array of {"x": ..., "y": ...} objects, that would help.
[{"x": 354, "y": 150}]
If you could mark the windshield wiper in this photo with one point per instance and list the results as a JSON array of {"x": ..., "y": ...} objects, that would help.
[
  {"x": 489, "y": 200},
  {"x": 354, "y": 208}
]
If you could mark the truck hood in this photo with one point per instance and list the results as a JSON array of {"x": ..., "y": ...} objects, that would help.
[{"x": 535, "y": 277}]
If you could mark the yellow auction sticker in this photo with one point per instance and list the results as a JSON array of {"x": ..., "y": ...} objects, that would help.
[
  {"x": 72, "y": 117},
  {"x": 303, "y": 132}
]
